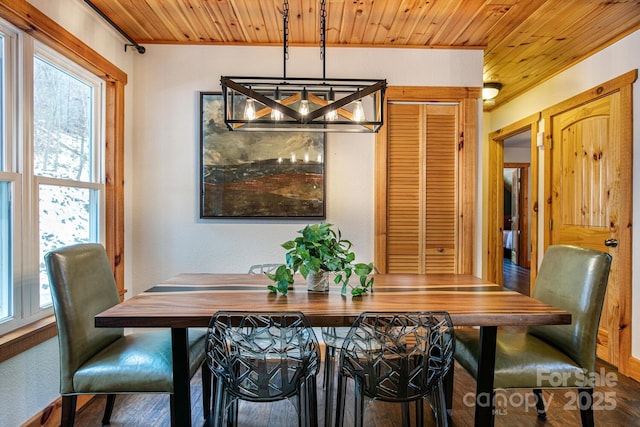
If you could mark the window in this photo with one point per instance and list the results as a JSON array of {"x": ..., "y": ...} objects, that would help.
[
  {"x": 5, "y": 249},
  {"x": 8, "y": 178},
  {"x": 51, "y": 181}
]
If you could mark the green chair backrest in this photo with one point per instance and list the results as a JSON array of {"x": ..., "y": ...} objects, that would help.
[
  {"x": 82, "y": 285},
  {"x": 573, "y": 279}
]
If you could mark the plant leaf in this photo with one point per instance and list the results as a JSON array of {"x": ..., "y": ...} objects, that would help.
[{"x": 357, "y": 291}]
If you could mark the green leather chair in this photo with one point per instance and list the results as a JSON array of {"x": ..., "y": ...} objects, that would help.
[
  {"x": 105, "y": 360},
  {"x": 573, "y": 279}
]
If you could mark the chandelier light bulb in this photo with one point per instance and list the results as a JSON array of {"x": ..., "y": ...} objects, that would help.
[
  {"x": 249, "y": 110},
  {"x": 276, "y": 114},
  {"x": 331, "y": 115},
  {"x": 358, "y": 112},
  {"x": 304, "y": 103},
  {"x": 304, "y": 107}
]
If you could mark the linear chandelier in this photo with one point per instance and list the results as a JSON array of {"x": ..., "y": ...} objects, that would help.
[{"x": 295, "y": 104}]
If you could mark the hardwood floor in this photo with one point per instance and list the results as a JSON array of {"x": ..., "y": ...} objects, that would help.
[
  {"x": 617, "y": 403},
  {"x": 515, "y": 277}
]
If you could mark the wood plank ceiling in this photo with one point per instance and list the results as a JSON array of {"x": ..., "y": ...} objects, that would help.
[{"x": 525, "y": 42}]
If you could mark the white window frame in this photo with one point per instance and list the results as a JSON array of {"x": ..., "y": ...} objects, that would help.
[
  {"x": 9, "y": 171},
  {"x": 18, "y": 168}
]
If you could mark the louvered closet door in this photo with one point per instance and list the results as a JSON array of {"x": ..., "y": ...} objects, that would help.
[{"x": 421, "y": 204}]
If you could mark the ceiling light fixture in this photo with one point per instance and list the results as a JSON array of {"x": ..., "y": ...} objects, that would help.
[
  {"x": 490, "y": 90},
  {"x": 294, "y": 104}
]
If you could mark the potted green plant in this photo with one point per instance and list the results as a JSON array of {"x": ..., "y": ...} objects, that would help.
[{"x": 318, "y": 250}]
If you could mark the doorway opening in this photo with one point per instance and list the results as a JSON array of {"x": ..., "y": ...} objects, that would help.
[
  {"x": 516, "y": 227},
  {"x": 517, "y": 146}
]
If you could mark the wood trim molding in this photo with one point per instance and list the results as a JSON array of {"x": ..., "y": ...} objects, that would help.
[
  {"x": 604, "y": 89},
  {"x": 435, "y": 94},
  {"x": 515, "y": 128},
  {"x": 381, "y": 194},
  {"x": 114, "y": 180},
  {"x": 467, "y": 175},
  {"x": 52, "y": 414},
  {"x": 633, "y": 368},
  {"x": 19, "y": 340}
]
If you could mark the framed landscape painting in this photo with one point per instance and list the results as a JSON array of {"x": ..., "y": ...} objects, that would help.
[{"x": 258, "y": 174}]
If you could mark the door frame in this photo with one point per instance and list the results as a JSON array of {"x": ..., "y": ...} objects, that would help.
[
  {"x": 623, "y": 84},
  {"x": 495, "y": 202}
]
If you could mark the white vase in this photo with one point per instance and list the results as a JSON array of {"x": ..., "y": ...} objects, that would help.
[{"x": 318, "y": 282}]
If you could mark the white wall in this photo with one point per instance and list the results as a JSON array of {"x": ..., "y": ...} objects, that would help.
[
  {"x": 31, "y": 380},
  {"x": 168, "y": 236},
  {"x": 517, "y": 154},
  {"x": 605, "y": 65}
]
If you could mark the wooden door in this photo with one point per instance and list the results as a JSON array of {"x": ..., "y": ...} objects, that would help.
[
  {"x": 422, "y": 188},
  {"x": 588, "y": 197}
]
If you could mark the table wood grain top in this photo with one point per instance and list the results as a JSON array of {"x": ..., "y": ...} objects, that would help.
[{"x": 189, "y": 300}]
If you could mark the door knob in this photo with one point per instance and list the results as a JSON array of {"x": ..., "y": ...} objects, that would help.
[{"x": 612, "y": 243}]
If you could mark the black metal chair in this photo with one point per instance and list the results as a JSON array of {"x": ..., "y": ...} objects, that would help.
[
  {"x": 262, "y": 357},
  {"x": 397, "y": 357},
  {"x": 105, "y": 360},
  {"x": 333, "y": 338}
]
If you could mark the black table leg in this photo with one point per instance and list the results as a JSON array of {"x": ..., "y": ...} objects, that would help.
[
  {"x": 181, "y": 416},
  {"x": 484, "y": 384}
]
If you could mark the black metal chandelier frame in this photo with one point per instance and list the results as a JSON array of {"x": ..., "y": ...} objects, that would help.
[{"x": 328, "y": 97}]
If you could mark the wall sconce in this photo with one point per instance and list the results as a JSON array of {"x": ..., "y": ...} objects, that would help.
[{"x": 490, "y": 90}]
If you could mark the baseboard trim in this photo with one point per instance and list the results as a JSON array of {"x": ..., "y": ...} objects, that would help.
[
  {"x": 633, "y": 368},
  {"x": 51, "y": 415}
]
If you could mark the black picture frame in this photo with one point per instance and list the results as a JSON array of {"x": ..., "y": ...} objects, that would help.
[{"x": 258, "y": 174}]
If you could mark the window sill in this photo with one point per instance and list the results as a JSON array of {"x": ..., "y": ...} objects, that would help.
[{"x": 28, "y": 336}]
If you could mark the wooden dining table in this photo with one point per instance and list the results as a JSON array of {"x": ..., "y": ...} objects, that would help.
[{"x": 189, "y": 300}]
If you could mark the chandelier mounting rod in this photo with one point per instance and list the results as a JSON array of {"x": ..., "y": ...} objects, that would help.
[
  {"x": 285, "y": 37},
  {"x": 323, "y": 37}
]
